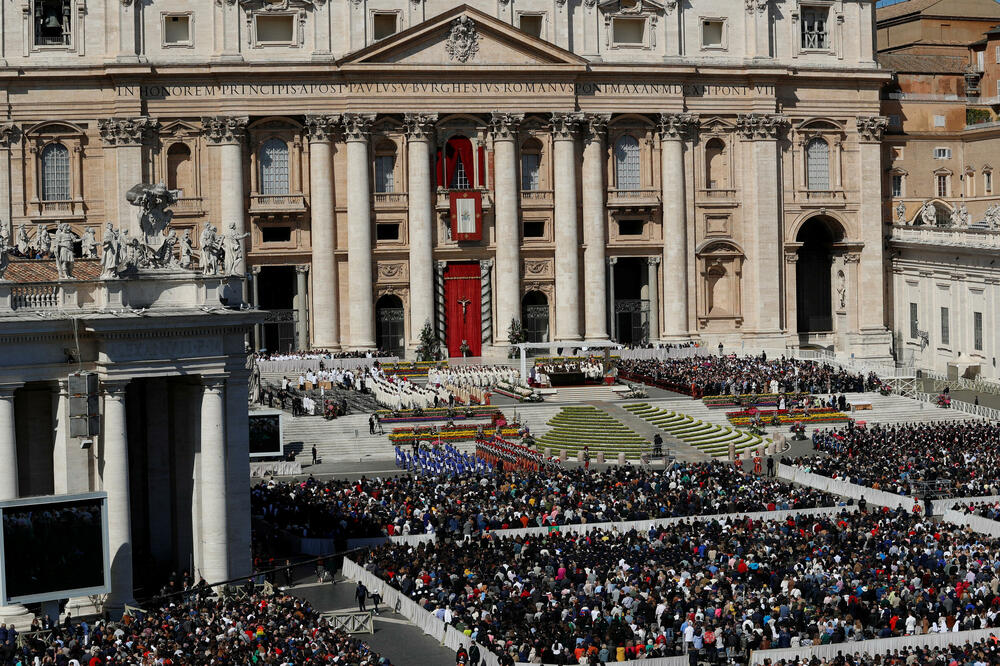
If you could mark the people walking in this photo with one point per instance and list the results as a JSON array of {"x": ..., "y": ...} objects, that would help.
[{"x": 361, "y": 593}]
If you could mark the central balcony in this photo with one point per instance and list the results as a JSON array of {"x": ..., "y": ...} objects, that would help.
[
  {"x": 649, "y": 198},
  {"x": 536, "y": 198},
  {"x": 265, "y": 204},
  {"x": 63, "y": 209},
  {"x": 390, "y": 200},
  {"x": 444, "y": 203}
]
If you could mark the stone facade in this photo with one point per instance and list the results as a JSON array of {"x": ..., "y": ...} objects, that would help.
[{"x": 639, "y": 169}]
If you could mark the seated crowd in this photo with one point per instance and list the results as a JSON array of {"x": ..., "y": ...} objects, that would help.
[
  {"x": 372, "y": 507},
  {"x": 964, "y": 454},
  {"x": 985, "y": 652},
  {"x": 200, "y": 631},
  {"x": 722, "y": 589},
  {"x": 990, "y": 510},
  {"x": 313, "y": 355},
  {"x": 740, "y": 375}
]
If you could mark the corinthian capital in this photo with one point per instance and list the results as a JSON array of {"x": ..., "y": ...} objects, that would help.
[
  {"x": 595, "y": 126},
  {"x": 357, "y": 125},
  {"x": 322, "y": 127},
  {"x": 677, "y": 125},
  {"x": 871, "y": 128},
  {"x": 761, "y": 125},
  {"x": 419, "y": 126},
  {"x": 564, "y": 125},
  {"x": 9, "y": 134},
  {"x": 504, "y": 125},
  {"x": 126, "y": 131},
  {"x": 225, "y": 129}
]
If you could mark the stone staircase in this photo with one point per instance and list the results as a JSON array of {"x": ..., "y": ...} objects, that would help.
[
  {"x": 343, "y": 439},
  {"x": 583, "y": 394}
]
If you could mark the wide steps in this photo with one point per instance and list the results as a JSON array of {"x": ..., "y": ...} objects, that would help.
[
  {"x": 575, "y": 427},
  {"x": 713, "y": 439}
]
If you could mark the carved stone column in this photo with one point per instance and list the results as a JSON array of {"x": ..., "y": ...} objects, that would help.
[
  {"x": 359, "y": 230},
  {"x": 439, "y": 267},
  {"x": 419, "y": 133},
  {"x": 228, "y": 133},
  {"x": 320, "y": 131},
  {"x": 124, "y": 138},
  {"x": 654, "y": 300},
  {"x": 595, "y": 219},
  {"x": 9, "y": 135},
  {"x": 567, "y": 233},
  {"x": 762, "y": 207},
  {"x": 16, "y": 614},
  {"x": 255, "y": 291},
  {"x": 486, "y": 299},
  {"x": 674, "y": 130},
  {"x": 302, "y": 306},
  {"x": 115, "y": 482},
  {"x": 214, "y": 481},
  {"x": 611, "y": 296},
  {"x": 871, "y": 300},
  {"x": 508, "y": 237}
]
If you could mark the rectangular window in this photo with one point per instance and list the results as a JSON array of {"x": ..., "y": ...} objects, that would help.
[
  {"x": 938, "y": 121},
  {"x": 977, "y": 331},
  {"x": 998, "y": 55},
  {"x": 980, "y": 58},
  {"x": 461, "y": 181},
  {"x": 531, "y": 24},
  {"x": 988, "y": 182},
  {"x": 52, "y": 23},
  {"x": 383, "y": 25},
  {"x": 529, "y": 171},
  {"x": 176, "y": 30},
  {"x": 945, "y": 327},
  {"x": 814, "y": 28},
  {"x": 630, "y": 227},
  {"x": 942, "y": 153},
  {"x": 276, "y": 234},
  {"x": 629, "y": 31},
  {"x": 275, "y": 29},
  {"x": 942, "y": 185},
  {"x": 384, "y": 170},
  {"x": 914, "y": 330},
  {"x": 534, "y": 229},
  {"x": 897, "y": 185},
  {"x": 387, "y": 232},
  {"x": 713, "y": 34}
]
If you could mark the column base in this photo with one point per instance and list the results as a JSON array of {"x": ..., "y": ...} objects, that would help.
[
  {"x": 79, "y": 607},
  {"x": 871, "y": 345},
  {"x": 16, "y": 615}
]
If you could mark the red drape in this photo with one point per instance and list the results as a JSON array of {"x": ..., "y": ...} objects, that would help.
[
  {"x": 482, "y": 167},
  {"x": 462, "y": 282},
  {"x": 439, "y": 165},
  {"x": 459, "y": 148}
]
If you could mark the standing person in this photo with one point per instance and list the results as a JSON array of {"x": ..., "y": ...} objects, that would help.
[
  {"x": 586, "y": 457},
  {"x": 461, "y": 657},
  {"x": 474, "y": 656},
  {"x": 756, "y": 464},
  {"x": 361, "y": 593},
  {"x": 658, "y": 445},
  {"x": 288, "y": 574},
  {"x": 376, "y": 599},
  {"x": 371, "y": 424},
  {"x": 313, "y": 454},
  {"x": 770, "y": 466}
]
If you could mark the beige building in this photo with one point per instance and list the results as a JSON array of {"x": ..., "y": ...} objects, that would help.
[{"x": 633, "y": 169}]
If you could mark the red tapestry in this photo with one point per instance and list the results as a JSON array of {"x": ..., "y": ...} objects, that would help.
[
  {"x": 463, "y": 307},
  {"x": 466, "y": 215}
]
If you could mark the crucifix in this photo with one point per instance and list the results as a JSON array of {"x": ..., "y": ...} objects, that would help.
[{"x": 464, "y": 303}]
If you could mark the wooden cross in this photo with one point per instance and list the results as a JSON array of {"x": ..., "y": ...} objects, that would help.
[{"x": 464, "y": 303}]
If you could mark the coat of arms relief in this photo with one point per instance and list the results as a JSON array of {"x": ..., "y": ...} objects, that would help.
[{"x": 463, "y": 40}]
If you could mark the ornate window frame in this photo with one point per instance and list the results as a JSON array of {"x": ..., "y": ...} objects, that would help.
[
  {"x": 726, "y": 254},
  {"x": 77, "y": 36},
  {"x": 372, "y": 13},
  {"x": 648, "y": 11},
  {"x": 36, "y": 139},
  {"x": 164, "y": 17},
  {"x": 988, "y": 184},
  {"x": 833, "y": 133}
]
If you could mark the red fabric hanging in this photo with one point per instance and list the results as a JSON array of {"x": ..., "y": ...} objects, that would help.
[
  {"x": 482, "y": 167},
  {"x": 462, "y": 282},
  {"x": 439, "y": 164},
  {"x": 459, "y": 148}
]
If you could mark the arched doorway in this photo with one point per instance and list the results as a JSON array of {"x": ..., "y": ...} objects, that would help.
[
  {"x": 535, "y": 317},
  {"x": 389, "y": 334},
  {"x": 276, "y": 296},
  {"x": 631, "y": 301},
  {"x": 813, "y": 274}
]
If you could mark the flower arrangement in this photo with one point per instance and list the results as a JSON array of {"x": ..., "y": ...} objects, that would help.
[
  {"x": 433, "y": 413},
  {"x": 522, "y": 393},
  {"x": 752, "y": 399},
  {"x": 458, "y": 434},
  {"x": 785, "y": 416},
  {"x": 885, "y": 389}
]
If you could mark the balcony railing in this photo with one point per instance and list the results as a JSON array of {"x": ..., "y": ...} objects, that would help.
[
  {"x": 444, "y": 204},
  {"x": 390, "y": 200},
  {"x": 718, "y": 194},
  {"x": 277, "y": 203},
  {"x": 825, "y": 196},
  {"x": 536, "y": 198},
  {"x": 65, "y": 208},
  {"x": 633, "y": 198},
  {"x": 35, "y": 297},
  {"x": 188, "y": 206},
  {"x": 954, "y": 236}
]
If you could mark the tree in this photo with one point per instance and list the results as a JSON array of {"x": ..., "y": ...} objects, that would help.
[
  {"x": 515, "y": 335},
  {"x": 429, "y": 345}
]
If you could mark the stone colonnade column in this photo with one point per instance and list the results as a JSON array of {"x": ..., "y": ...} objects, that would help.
[
  {"x": 228, "y": 133},
  {"x": 9, "y": 134},
  {"x": 258, "y": 339},
  {"x": 419, "y": 132},
  {"x": 325, "y": 294},
  {"x": 871, "y": 299},
  {"x": 595, "y": 218},
  {"x": 359, "y": 230},
  {"x": 567, "y": 235},
  {"x": 126, "y": 136},
  {"x": 654, "y": 300},
  {"x": 508, "y": 237},
  {"x": 15, "y": 614},
  {"x": 214, "y": 515},
  {"x": 114, "y": 479},
  {"x": 612, "y": 323},
  {"x": 302, "y": 305},
  {"x": 674, "y": 129}
]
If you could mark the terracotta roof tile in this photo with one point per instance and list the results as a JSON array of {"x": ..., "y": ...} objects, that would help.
[
  {"x": 44, "y": 270},
  {"x": 928, "y": 64}
]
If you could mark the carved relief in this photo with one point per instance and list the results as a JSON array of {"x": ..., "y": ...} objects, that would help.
[
  {"x": 761, "y": 125},
  {"x": 225, "y": 129},
  {"x": 463, "y": 40},
  {"x": 357, "y": 125},
  {"x": 871, "y": 128},
  {"x": 677, "y": 125},
  {"x": 392, "y": 271},
  {"x": 564, "y": 125},
  {"x": 322, "y": 128},
  {"x": 420, "y": 126},
  {"x": 538, "y": 268},
  {"x": 504, "y": 125},
  {"x": 126, "y": 131}
]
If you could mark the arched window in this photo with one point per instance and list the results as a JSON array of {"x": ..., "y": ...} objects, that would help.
[
  {"x": 627, "y": 163},
  {"x": 274, "y": 167},
  {"x": 818, "y": 165},
  {"x": 55, "y": 173},
  {"x": 458, "y": 163},
  {"x": 531, "y": 161},
  {"x": 385, "y": 167},
  {"x": 179, "y": 169},
  {"x": 716, "y": 165},
  {"x": 718, "y": 291}
]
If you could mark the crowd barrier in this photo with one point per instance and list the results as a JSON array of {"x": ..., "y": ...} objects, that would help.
[
  {"x": 872, "y": 647},
  {"x": 843, "y": 488},
  {"x": 975, "y": 523},
  {"x": 942, "y": 505},
  {"x": 412, "y": 539},
  {"x": 297, "y": 365},
  {"x": 981, "y": 411},
  {"x": 446, "y": 634},
  {"x": 259, "y": 470}
]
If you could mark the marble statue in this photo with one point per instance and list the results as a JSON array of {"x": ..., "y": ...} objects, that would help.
[
  {"x": 111, "y": 251},
  {"x": 23, "y": 246},
  {"x": 4, "y": 248},
  {"x": 187, "y": 250},
  {"x": 165, "y": 255},
  {"x": 842, "y": 289},
  {"x": 901, "y": 213},
  {"x": 64, "y": 251},
  {"x": 210, "y": 248},
  {"x": 955, "y": 219},
  {"x": 992, "y": 218},
  {"x": 966, "y": 216},
  {"x": 154, "y": 216},
  {"x": 234, "y": 250},
  {"x": 88, "y": 245},
  {"x": 44, "y": 242},
  {"x": 928, "y": 214}
]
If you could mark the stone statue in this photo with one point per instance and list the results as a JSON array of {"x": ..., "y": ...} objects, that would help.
[
  {"x": 64, "y": 251},
  {"x": 842, "y": 289},
  {"x": 966, "y": 216},
  {"x": 4, "y": 247},
  {"x": 901, "y": 213},
  {"x": 992, "y": 218},
  {"x": 44, "y": 242},
  {"x": 234, "y": 250},
  {"x": 165, "y": 255},
  {"x": 23, "y": 246},
  {"x": 928, "y": 214},
  {"x": 209, "y": 250},
  {"x": 154, "y": 216},
  {"x": 111, "y": 252},
  {"x": 955, "y": 219},
  {"x": 88, "y": 246},
  {"x": 253, "y": 396},
  {"x": 187, "y": 249}
]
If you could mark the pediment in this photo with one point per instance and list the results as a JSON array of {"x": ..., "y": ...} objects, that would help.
[
  {"x": 638, "y": 7},
  {"x": 462, "y": 36}
]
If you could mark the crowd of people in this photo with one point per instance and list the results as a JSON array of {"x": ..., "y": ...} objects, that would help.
[
  {"x": 198, "y": 631},
  {"x": 984, "y": 652},
  {"x": 719, "y": 589},
  {"x": 466, "y": 505},
  {"x": 314, "y": 355},
  {"x": 963, "y": 456},
  {"x": 740, "y": 375}
]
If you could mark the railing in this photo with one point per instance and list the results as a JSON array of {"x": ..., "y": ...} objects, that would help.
[
  {"x": 188, "y": 206},
  {"x": 63, "y": 208},
  {"x": 444, "y": 202},
  {"x": 986, "y": 238},
  {"x": 352, "y": 622},
  {"x": 633, "y": 197},
  {"x": 821, "y": 195},
  {"x": 279, "y": 203},
  {"x": 717, "y": 193},
  {"x": 390, "y": 199},
  {"x": 975, "y": 410},
  {"x": 536, "y": 197},
  {"x": 35, "y": 297},
  {"x": 978, "y": 385}
]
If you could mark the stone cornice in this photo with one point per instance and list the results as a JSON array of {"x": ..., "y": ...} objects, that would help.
[
  {"x": 419, "y": 126},
  {"x": 322, "y": 128},
  {"x": 225, "y": 129},
  {"x": 758, "y": 126},
  {"x": 504, "y": 125},
  {"x": 357, "y": 125},
  {"x": 126, "y": 131}
]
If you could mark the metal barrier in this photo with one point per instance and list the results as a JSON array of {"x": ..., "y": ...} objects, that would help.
[
  {"x": 967, "y": 407},
  {"x": 353, "y": 622}
]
